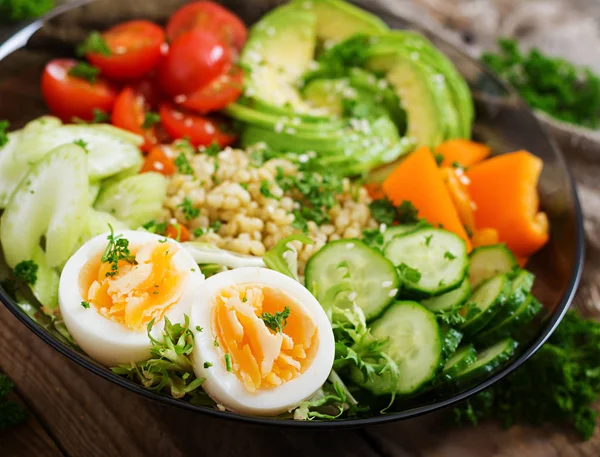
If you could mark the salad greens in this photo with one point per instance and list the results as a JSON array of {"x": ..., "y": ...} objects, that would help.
[
  {"x": 11, "y": 413},
  {"x": 18, "y": 10},
  {"x": 553, "y": 85}
]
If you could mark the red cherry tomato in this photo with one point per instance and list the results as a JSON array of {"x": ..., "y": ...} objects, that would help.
[
  {"x": 199, "y": 130},
  {"x": 69, "y": 97},
  {"x": 129, "y": 113},
  {"x": 148, "y": 88},
  {"x": 135, "y": 50},
  {"x": 210, "y": 17},
  {"x": 219, "y": 93},
  {"x": 194, "y": 59}
]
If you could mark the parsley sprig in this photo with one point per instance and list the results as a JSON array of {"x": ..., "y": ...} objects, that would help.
[
  {"x": 26, "y": 271},
  {"x": 94, "y": 44},
  {"x": 277, "y": 321},
  {"x": 117, "y": 250},
  {"x": 188, "y": 210},
  {"x": 385, "y": 212},
  {"x": 84, "y": 71}
]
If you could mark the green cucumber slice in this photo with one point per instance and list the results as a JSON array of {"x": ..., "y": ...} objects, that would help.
[
  {"x": 134, "y": 200},
  {"x": 462, "y": 359},
  {"x": 488, "y": 360},
  {"x": 398, "y": 230},
  {"x": 99, "y": 222},
  {"x": 45, "y": 288},
  {"x": 488, "y": 261},
  {"x": 512, "y": 324},
  {"x": 450, "y": 300},
  {"x": 51, "y": 202},
  {"x": 438, "y": 256},
  {"x": 372, "y": 278},
  {"x": 414, "y": 343},
  {"x": 486, "y": 301}
]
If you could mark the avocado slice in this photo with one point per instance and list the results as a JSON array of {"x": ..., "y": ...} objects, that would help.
[{"x": 338, "y": 20}]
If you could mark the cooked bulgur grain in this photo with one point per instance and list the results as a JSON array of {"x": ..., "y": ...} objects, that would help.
[{"x": 254, "y": 211}]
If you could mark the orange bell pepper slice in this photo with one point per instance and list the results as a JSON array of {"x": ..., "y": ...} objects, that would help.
[
  {"x": 485, "y": 237},
  {"x": 504, "y": 190},
  {"x": 464, "y": 152},
  {"x": 160, "y": 160},
  {"x": 418, "y": 180},
  {"x": 460, "y": 196}
]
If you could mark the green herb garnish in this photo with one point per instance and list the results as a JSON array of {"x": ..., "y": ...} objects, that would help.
[
  {"x": 277, "y": 321},
  {"x": 228, "y": 362},
  {"x": 82, "y": 144},
  {"x": 160, "y": 228},
  {"x": 94, "y": 44},
  {"x": 207, "y": 364},
  {"x": 26, "y": 271},
  {"x": 85, "y": 304},
  {"x": 11, "y": 413},
  {"x": 409, "y": 273},
  {"x": 183, "y": 165},
  {"x": 19, "y": 10},
  {"x": 265, "y": 189},
  {"x": 150, "y": 118},
  {"x": 448, "y": 255},
  {"x": 373, "y": 238},
  {"x": 117, "y": 250},
  {"x": 407, "y": 213},
  {"x": 85, "y": 71},
  {"x": 3, "y": 132},
  {"x": 188, "y": 210},
  {"x": 213, "y": 149}
]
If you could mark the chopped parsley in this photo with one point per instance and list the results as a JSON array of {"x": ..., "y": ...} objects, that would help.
[
  {"x": 85, "y": 304},
  {"x": 216, "y": 225},
  {"x": 448, "y": 255},
  {"x": 94, "y": 44},
  {"x": 373, "y": 238},
  {"x": 439, "y": 158},
  {"x": 383, "y": 211},
  {"x": 213, "y": 149},
  {"x": 83, "y": 144},
  {"x": 117, "y": 250},
  {"x": 160, "y": 228},
  {"x": 207, "y": 364},
  {"x": 99, "y": 117},
  {"x": 215, "y": 343},
  {"x": 277, "y": 321},
  {"x": 198, "y": 328},
  {"x": 26, "y": 271},
  {"x": 228, "y": 361},
  {"x": 84, "y": 71},
  {"x": 150, "y": 118},
  {"x": 183, "y": 165},
  {"x": 428, "y": 241},
  {"x": 188, "y": 210},
  {"x": 456, "y": 164},
  {"x": 265, "y": 189},
  {"x": 3, "y": 133},
  {"x": 409, "y": 273},
  {"x": 407, "y": 213}
]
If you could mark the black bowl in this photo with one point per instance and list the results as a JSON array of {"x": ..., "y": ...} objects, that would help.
[{"x": 503, "y": 121}]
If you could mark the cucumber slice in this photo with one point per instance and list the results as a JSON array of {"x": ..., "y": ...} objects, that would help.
[
  {"x": 451, "y": 339},
  {"x": 45, "y": 288},
  {"x": 98, "y": 223},
  {"x": 11, "y": 170},
  {"x": 462, "y": 359},
  {"x": 398, "y": 230},
  {"x": 134, "y": 200},
  {"x": 51, "y": 202},
  {"x": 488, "y": 360},
  {"x": 414, "y": 343},
  {"x": 450, "y": 300},
  {"x": 108, "y": 153},
  {"x": 512, "y": 324},
  {"x": 438, "y": 256},
  {"x": 93, "y": 191},
  {"x": 487, "y": 300},
  {"x": 488, "y": 261},
  {"x": 521, "y": 284},
  {"x": 373, "y": 278}
]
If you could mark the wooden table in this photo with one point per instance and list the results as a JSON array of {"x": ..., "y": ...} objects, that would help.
[{"x": 75, "y": 413}]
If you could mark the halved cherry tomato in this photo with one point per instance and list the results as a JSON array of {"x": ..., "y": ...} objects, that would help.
[
  {"x": 69, "y": 97},
  {"x": 135, "y": 50},
  {"x": 210, "y": 17},
  {"x": 194, "y": 59},
  {"x": 178, "y": 232},
  {"x": 199, "y": 130},
  {"x": 129, "y": 113},
  {"x": 160, "y": 159},
  {"x": 148, "y": 88},
  {"x": 219, "y": 93}
]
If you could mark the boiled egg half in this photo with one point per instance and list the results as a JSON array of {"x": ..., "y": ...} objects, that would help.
[
  {"x": 263, "y": 342},
  {"x": 107, "y": 305}
]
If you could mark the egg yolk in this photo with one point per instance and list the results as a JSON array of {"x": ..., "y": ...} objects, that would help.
[
  {"x": 261, "y": 353},
  {"x": 138, "y": 292}
]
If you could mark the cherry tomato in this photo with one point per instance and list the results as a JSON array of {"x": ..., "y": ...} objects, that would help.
[
  {"x": 178, "y": 232},
  {"x": 194, "y": 59},
  {"x": 160, "y": 160},
  {"x": 210, "y": 17},
  {"x": 69, "y": 97},
  {"x": 135, "y": 50},
  {"x": 130, "y": 112},
  {"x": 217, "y": 94},
  {"x": 199, "y": 130},
  {"x": 148, "y": 88}
]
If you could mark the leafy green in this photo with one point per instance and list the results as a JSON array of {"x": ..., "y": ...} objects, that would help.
[
  {"x": 283, "y": 257},
  {"x": 213, "y": 149},
  {"x": 277, "y": 321},
  {"x": 84, "y": 71},
  {"x": 26, "y": 271},
  {"x": 170, "y": 369},
  {"x": 385, "y": 212},
  {"x": 11, "y": 413},
  {"x": 150, "y": 118},
  {"x": 407, "y": 213},
  {"x": 116, "y": 251},
  {"x": 188, "y": 210},
  {"x": 558, "y": 384},
  {"x": 18, "y": 10},
  {"x": 3, "y": 132},
  {"x": 95, "y": 44},
  {"x": 152, "y": 226},
  {"x": 373, "y": 238},
  {"x": 553, "y": 85},
  {"x": 183, "y": 164},
  {"x": 265, "y": 189}
]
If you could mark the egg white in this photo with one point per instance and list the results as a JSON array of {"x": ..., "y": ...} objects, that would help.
[
  {"x": 107, "y": 341},
  {"x": 224, "y": 387}
]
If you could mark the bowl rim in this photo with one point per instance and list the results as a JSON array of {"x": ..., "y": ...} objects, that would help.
[{"x": 19, "y": 39}]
